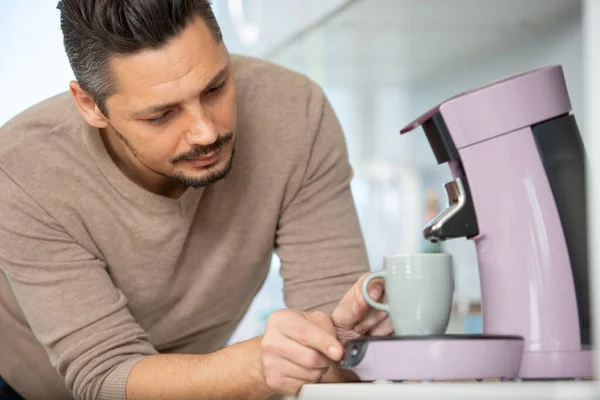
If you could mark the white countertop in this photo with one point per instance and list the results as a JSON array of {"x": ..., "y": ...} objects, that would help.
[{"x": 567, "y": 390}]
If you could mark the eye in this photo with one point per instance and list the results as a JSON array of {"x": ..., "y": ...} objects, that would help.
[
  {"x": 216, "y": 88},
  {"x": 158, "y": 119}
]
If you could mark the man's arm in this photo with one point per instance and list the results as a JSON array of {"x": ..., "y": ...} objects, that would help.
[
  {"x": 83, "y": 322},
  {"x": 232, "y": 373},
  {"x": 319, "y": 240}
]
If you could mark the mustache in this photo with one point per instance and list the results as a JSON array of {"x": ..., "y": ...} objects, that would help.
[{"x": 200, "y": 151}]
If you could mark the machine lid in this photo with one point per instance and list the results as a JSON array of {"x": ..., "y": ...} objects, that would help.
[
  {"x": 427, "y": 115},
  {"x": 501, "y": 106},
  {"x": 420, "y": 120}
]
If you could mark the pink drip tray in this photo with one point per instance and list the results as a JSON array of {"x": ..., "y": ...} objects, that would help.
[
  {"x": 440, "y": 357},
  {"x": 557, "y": 365}
]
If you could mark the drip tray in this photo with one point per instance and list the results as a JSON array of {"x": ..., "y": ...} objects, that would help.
[{"x": 436, "y": 357}]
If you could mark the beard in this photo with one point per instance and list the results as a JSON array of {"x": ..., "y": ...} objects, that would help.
[{"x": 212, "y": 173}]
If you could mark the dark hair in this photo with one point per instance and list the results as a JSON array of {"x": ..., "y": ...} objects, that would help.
[{"x": 95, "y": 30}]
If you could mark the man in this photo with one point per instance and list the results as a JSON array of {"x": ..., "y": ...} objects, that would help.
[{"x": 139, "y": 213}]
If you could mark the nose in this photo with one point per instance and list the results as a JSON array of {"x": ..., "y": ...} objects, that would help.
[{"x": 201, "y": 130}]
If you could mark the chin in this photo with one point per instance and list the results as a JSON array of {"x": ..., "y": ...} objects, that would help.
[{"x": 204, "y": 176}]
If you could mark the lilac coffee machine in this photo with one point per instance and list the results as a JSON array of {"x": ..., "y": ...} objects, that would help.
[{"x": 518, "y": 191}]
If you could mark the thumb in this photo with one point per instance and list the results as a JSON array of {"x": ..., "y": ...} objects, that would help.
[{"x": 353, "y": 308}]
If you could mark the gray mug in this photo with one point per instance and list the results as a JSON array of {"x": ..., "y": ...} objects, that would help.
[{"x": 419, "y": 290}]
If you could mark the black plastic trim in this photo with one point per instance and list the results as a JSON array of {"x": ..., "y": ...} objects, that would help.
[
  {"x": 439, "y": 139},
  {"x": 563, "y": 155}
]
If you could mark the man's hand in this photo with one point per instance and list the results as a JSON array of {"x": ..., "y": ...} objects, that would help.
[
  {"x": 354, "y": 318},
  {"x": 298, "y": 348}
]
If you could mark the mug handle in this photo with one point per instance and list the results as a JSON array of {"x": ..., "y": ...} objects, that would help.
[{"x": 365, "y": 293}]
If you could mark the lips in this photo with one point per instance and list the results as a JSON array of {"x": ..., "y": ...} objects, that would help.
[{"x": 206, "y": 160}]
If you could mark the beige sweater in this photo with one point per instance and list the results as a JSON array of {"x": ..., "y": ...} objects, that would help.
[{"x": 99, "y": 273}]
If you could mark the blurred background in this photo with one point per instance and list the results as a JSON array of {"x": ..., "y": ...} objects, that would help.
[{"x": 382, "y": 63}]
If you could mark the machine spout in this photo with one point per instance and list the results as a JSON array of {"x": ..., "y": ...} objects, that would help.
[{"x": 458, "y": 218}]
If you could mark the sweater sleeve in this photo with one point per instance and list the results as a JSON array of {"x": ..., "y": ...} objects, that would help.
[
  {"x": 319, "y": 240},
  {"x": 68, "y": 298}
]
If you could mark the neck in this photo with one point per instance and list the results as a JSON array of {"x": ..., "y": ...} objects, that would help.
[{"x": 137, "y": 172}]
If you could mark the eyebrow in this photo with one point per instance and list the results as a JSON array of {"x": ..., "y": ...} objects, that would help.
[{"x": 163, "y": 107}]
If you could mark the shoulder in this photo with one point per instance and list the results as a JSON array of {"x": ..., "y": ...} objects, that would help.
[
  {"x": 277, "y": 102},
  {"x": 43, "y": 148},
  {"x": 284, "y": 121},
  {"x": 35, "y": 125},
  {"x": 274, "y": 88},
  {"x": 51, "y": 111},
  {"x": 249, "y": 70}
]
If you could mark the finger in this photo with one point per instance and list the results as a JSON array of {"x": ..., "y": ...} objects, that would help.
[
  {"x": 383, "y": 328},
  {"x": 293, "y": 351},
  {"x": 287, "y": 368},
  {"x": 374, "y": 318},
  {"x": 353, "y": 308},
  {"x": 323, "y": 320},
  {"x": 309, "y": 334}
]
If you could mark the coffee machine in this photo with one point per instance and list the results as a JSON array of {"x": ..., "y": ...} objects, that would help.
[{"x": 518, "y": 192}]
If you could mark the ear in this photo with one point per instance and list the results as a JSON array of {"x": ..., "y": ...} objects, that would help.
[{"x": 87, "y": 107}]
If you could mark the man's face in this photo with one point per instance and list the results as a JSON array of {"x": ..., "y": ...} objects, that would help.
[{"x": 175, "y": 110}]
